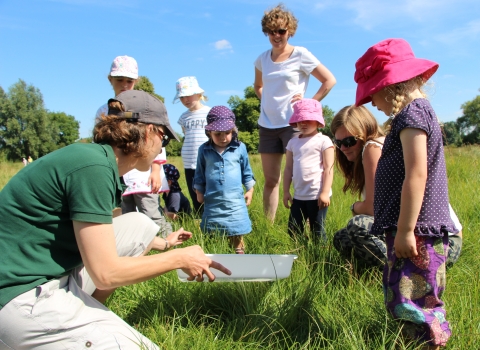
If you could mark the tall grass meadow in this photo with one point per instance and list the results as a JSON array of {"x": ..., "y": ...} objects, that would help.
[{"x": 326, "y": 303}]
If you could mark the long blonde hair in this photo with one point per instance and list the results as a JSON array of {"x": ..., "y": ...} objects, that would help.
[{"x": 362, "y": 124}]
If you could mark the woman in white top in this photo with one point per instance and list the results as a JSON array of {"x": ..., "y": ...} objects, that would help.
[
  {"x": 359, "y": 140},
  {"x": 281, "y": 78}
]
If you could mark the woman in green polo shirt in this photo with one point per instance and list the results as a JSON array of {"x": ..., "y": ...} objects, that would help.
[{"x": 62, "y": 253}]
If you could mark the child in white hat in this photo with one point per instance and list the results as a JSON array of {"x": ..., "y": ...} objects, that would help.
[
  {"x": 193, "y": 123},
  {"x": 143, "y": 187}
]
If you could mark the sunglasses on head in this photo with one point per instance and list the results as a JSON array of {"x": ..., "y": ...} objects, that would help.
[
  {"x": 347, "y": 142},
  {"x": 279, "y": 31}
]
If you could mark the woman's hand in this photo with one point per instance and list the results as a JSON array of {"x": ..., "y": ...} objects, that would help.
[
  {"x": 196, "y": 264},
  {"x": 405, "y": 245},
  {"x": 296, "y": 97},
  {"x": 178, "y": 237}
]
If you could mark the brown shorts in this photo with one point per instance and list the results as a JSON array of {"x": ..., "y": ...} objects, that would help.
[{"x": 274, "y": 140}]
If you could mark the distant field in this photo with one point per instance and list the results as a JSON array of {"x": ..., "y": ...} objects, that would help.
[{"x": 325, "y": 303}]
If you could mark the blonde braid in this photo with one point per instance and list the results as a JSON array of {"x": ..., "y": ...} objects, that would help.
[{"x": 398, "y": 100}]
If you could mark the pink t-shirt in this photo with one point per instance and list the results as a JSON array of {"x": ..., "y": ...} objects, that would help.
[{"x": 308, "y": 165}]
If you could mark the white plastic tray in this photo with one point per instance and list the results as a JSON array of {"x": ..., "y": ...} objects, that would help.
[{"x": 248, "y": 267}]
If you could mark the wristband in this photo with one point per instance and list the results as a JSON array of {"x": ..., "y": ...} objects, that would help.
[{"x": 167, "y": 245}]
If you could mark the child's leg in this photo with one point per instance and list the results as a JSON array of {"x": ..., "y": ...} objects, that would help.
[
  {"x": 189, "y": 175},
  {"x": 317, "y": 218},
  {"x": 237, "y": 243},
  {"x": 296, "y": 218},
  {"x": 148, "y": 205},
  {"x": 413, "y": 288},
  {"x": 128, "y": 204}
]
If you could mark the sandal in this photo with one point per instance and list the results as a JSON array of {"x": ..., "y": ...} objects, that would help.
[{"x": 239, "y": 251}]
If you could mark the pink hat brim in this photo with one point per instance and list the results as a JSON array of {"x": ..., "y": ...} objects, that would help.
[{"x": 394, "y": 73}]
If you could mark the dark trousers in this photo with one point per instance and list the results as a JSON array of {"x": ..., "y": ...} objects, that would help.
[
  {"x": 300, "y": 211},
  {"x": 197, "y": 207}
]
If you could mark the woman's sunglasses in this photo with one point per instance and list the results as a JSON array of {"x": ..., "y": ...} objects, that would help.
[
  {"x": 347, "y": 142},
  {"x": 279, "y": 31}
]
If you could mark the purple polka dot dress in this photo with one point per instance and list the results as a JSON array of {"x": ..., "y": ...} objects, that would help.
[{"x": 413, "y": 287}]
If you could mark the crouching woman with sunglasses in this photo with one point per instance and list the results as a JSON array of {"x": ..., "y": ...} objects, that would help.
[
  {"x": 359, "y": 140},
  {"x": 62, "y": 254}
]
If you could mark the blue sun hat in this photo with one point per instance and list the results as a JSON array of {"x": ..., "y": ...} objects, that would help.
[
  {"x": 220, "y": 118},
  {"x": 187, "y": 86}
]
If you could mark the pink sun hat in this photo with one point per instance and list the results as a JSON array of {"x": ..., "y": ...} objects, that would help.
[
  {"x": 307, "y": 109},
  {"x": 124, "y": 66},
  {"x": 388, "y": 62}
]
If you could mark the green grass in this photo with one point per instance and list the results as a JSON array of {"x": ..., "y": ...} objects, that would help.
[{"x": 325, "y": 303}]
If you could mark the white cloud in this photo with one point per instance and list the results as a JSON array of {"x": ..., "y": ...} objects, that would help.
[
  {"x": 374, "y": 13},
  {"x": 468, "y": 32},
  {"x": 223, "y": 45}
]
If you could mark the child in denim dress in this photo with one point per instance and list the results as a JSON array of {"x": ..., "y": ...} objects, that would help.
[
  {"x": 411, "y": 194},
  {"x": 222, "y": 171}
]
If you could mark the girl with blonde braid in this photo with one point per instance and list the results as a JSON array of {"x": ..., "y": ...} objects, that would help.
[{"x": 411, "y": 192}]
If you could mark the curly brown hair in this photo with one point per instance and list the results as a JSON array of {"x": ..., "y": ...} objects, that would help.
[
  {"x": 130, "y": 137},
  {"x": 279, "y": 17},
  {"x": 362, "y": 124}
]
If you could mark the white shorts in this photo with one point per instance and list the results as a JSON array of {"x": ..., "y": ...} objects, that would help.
[{"x": 61, "y": 314}]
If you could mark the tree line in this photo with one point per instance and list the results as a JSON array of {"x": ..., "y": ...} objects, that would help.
[
  {"x": 464, "y": 131},
  {"x": 27, "y": 128}
]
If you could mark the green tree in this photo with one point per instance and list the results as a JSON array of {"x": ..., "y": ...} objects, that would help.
[
  {"x": 328, "y": 115},
  {"x": 24, "y": 123},
  {"x": 246, "y": 110},
  {"x": 174, "y": 148},
  {"x": 451, "y": 134},
  {"x": 144, "y": 84},
  {"x": 27, "y": 128},
  {"x": 469, "y": 123},
  {"x": 64, "y": 128}
]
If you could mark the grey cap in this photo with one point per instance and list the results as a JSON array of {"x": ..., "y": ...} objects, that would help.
[{"x": 142, "y": 107}]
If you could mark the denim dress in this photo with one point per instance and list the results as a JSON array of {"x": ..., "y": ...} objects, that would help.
[{"x": 221, "y": 178}]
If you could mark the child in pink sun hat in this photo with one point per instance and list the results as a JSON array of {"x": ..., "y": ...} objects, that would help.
[
  {"x": 411, "y": 190},
  {"x": 309, "y": 165}
]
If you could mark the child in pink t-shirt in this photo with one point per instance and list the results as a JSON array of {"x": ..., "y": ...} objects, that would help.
[{"x": 309, "y": 164}]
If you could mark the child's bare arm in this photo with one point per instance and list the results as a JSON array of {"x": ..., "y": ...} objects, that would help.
[
  {"x": 414, "y": 144},
  {"x": 287, "y": 180},
  {"x": 248, "y": 196},
  {"x": 154, "y": 179},
  {"x": 199, "y": 196},
  {"x": 327, "y": 178}
]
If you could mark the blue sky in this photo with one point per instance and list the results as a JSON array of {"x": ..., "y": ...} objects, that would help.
[{"x": 65, "y": 47}]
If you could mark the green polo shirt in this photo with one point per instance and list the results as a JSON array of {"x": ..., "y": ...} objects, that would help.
[{"x": 37, "y": 242}]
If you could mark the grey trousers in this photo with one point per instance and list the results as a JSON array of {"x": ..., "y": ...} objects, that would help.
[{"x": 147, "y": 203}]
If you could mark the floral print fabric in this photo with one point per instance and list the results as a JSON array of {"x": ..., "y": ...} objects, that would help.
[{"x": 413, "y": 289}]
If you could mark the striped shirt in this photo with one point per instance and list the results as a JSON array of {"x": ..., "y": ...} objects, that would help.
[{"x": 193, "y": 125}]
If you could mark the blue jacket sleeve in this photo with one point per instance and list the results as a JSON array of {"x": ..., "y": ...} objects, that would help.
[{"x": 247, "y": 174}]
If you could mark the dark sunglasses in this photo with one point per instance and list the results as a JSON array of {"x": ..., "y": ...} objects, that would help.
[
  {"x": 347, "y": 142},
  {"x": 279, "y": 31}
]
